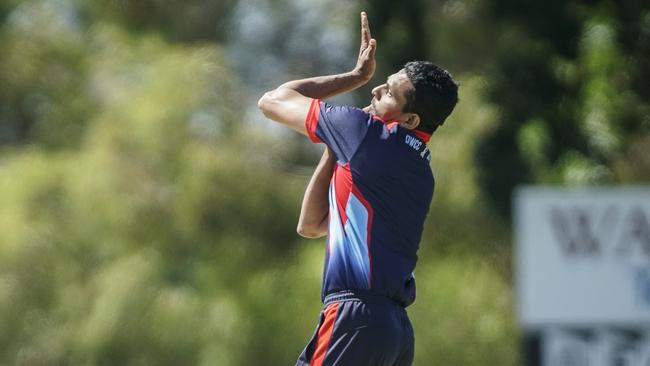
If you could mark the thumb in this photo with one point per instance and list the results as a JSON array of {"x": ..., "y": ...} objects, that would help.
[{"x": 372, "y": 47}]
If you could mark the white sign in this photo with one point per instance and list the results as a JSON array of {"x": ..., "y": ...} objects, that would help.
[
  {"x": 603, "y": 347},
  {"x": 583, "y": 256}
]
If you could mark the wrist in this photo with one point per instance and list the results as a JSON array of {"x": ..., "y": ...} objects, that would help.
[{"x": 360, "y": 76}]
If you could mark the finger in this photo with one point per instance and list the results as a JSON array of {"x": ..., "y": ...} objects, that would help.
[
  {"x": 367, "y": 27},
  {"x": 372, "y": 47},
  {"x": 365, "y": 30},
  {"x": 370, "y": 50}
]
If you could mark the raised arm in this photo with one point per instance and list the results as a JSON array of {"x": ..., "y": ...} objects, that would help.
[
  {"x": 289, "y": 103},
  {"x": 315, "y": 210}
]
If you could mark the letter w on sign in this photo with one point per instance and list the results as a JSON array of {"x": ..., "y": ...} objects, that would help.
[{"x": 578, "y": 231}]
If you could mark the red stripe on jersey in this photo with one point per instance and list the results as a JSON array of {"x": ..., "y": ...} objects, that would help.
[
  {"x": 381, "y": 119},
  {"x": 419, "y": 134},
  {"x": 324, "y": 335},
  {"x": 392, "y": 125},
  {"x": 312, "y": 120},
  {"x": 342, "y": 186},
  {"x": 422, "y": 135}
]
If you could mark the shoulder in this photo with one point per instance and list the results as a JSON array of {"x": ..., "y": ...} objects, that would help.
[{"x": 347, "y": 111}]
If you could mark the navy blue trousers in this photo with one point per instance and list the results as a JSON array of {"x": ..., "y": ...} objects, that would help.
[{"x": 360, "y": 329}]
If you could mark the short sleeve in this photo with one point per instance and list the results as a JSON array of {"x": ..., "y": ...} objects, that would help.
[{"x": 341, "y": 128}]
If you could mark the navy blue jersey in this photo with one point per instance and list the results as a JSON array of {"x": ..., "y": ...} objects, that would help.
[{"x": 379, "y": 197}]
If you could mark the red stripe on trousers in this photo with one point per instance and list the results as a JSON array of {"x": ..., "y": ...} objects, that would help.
[{"x": 324, "y": 335}]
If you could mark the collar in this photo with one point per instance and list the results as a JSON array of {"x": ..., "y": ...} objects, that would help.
[{"x": 419, "y": 134}]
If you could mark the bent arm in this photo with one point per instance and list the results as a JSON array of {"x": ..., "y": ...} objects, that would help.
[
  {"x": 286, "y": 106},
  {"x": 289, "y": 103},
  {"x": 314, "y": 212}
]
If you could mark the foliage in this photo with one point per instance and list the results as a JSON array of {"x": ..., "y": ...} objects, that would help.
[{"x": 573, "y": 96}]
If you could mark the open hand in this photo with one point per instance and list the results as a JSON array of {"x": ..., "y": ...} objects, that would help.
[{"x": 366, "y": 61}]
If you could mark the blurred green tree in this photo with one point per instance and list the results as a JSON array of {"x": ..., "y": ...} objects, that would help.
[
  {"x": 181, "y": 21},
  {"x": 134, "y": 240},
  {"x": 572, "y": 95},
  {"x": 42, "y": 73}
]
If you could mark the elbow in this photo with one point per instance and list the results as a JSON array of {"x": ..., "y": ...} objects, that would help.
[
  {"x": 264, "y": 102},
  {"x": 311, "y": 231},
  {"x": 270, "y": 102}
]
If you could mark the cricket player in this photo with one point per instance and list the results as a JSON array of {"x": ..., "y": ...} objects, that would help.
[{"x": 370, "y": 194}]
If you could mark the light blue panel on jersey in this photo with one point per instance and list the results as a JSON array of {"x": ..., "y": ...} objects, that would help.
[
  {"x": 348, "y": 257},
  {"x": 356, "y": 230}
]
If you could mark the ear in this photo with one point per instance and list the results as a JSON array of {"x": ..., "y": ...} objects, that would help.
[{"x": 411, "y": 121}]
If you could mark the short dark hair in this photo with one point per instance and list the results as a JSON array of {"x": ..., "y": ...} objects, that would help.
[{"x": 434, "y": 94}]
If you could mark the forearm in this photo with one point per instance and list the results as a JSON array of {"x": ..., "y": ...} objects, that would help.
[
  {"x": 322, "y": 87},
  {"x": 314, "y": 212},
  {"x": 290, "y": 102}
]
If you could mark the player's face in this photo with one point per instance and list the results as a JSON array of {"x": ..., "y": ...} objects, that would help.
[{"x": 389, "y": 98}]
